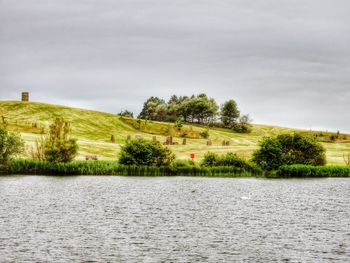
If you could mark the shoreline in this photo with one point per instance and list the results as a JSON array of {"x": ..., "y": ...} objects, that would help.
[{"x": 113, "y": 168}]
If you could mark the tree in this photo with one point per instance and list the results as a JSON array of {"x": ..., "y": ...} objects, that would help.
[
  {"x": 289, "y": 149},
  {"x": 185, "y": 109},
  {"x": 178, "y": 124},
  {"x": 161, "y": 112},
  {"x": 126, "y": 113},
  {"x": 243, "y": 125},
  {"x": 173, "y": 113},
  {"x": 198, "y": 108},
  {"x": 143, "y": 152},
  {"x": 57, "y": 145},
  {"x": 229, "y": 113},
  {"x": 149, "y": 110},
  {"x": 10, "y": 146}
]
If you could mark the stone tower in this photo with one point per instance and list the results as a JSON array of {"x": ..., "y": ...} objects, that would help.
[{"x": 25, "y": 96}]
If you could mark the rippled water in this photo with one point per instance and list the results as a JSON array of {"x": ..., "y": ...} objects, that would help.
[{"x": 133, "y": 219}]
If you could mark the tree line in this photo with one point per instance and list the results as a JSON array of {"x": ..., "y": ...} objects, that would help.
[{"x": 199, "y": 109}]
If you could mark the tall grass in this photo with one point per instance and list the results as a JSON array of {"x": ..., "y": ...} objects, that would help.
[
  {"x": 298, "y": 170},
  {"x": 31, "y": 167}
]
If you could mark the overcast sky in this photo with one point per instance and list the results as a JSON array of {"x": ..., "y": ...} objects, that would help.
[{"x": 285, "y": 62}]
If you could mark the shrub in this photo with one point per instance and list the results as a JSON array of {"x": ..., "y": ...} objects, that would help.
[
  {"x": 300, "y": 170},
  {"x": 57, "y": 146},
  {"x": 126, "y": 113},
  {"x": 210, "y": 159},
  {"x": 183, "y": 163},
  {"x": 289, "y": 149},
  {"x": 229, "y": 159},
  {"x": 243, "y": 125},
  {"x": 205, "y": 134},
  {"x": 178, "y": 124},
  {"x": 143, "y": 152},
  {"x": 10, "y": 145}
]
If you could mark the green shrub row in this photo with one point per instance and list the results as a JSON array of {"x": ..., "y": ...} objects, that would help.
[
  {"x": 299, "y": 170},
  {"x": 178, "y": 168},
  {"x": 211, "y": 160}
]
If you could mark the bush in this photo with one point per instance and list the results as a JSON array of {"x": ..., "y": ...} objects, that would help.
[
  {"x": 243, "y": 125},
  {"x": 229, "y": 159},
  {"x": 289, "y": 149},
  {"x": 178, "y": 124},
  {"x": 58, "y": 146},
  {"x": 300, "y": 170},
  {"x": 10, "y": 145},
  {"x": 210, "y": 159},
  {"x": 205, "y": 134},
  {"x": 143, "y": 152},
  {"x": 183, "y": 163}
]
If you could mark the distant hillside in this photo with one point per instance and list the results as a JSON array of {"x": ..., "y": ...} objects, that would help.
[{"x": 93, "y": 130}]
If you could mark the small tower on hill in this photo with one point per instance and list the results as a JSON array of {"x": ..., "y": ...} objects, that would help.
[{"x": 25, "y": 96}]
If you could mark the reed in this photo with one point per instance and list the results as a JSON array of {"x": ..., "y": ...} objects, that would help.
[
  {"x": 33, "y": 167},
  {"x": 298, "y": 170}
]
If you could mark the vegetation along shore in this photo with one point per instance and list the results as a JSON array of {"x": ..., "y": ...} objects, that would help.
[{"x": 45, "y": 139}]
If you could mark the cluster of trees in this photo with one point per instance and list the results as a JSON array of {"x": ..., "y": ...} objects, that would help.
[{"x": 195, "y": 109}]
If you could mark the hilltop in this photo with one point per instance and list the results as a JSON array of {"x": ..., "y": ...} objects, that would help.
[{"x": 94, "y": 129}]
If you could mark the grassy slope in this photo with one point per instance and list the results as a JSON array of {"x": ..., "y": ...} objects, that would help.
[{"x": 94, "y": 129}]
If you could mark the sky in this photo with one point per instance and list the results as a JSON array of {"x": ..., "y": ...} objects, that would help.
[{"x": 285, "y": 62}]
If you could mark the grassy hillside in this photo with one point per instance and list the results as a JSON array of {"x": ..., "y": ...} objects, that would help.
[{"x": 93, "y": 130}]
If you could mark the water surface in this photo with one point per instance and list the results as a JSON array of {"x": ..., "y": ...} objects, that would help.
[{"x": 167, "y": 219}]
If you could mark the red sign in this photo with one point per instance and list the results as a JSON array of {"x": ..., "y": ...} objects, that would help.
[{"x": 192, "y": 155}]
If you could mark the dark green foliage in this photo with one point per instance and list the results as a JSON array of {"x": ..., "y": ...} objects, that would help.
[
  {"x": 210, "y": 159},
  {"x": 126, "y": 113},
  {"x": 10, "y": 146},
  {"x": 58, "y": 146},
  {"x": 189, "y": 163},
  {"x": 229, "y": 114},
  {"x": 200, "y": 109},
  {"x": 289, "y": 149},
  {"x": 299, "y": 170},
  {"x": 179, "y": 168},
  {"x": 196, "y": 109},
  {"x": 229, "y": 159},
  {"x": 143, "y": 152},
  {"x": 178, "y": 124},
  {"x": 205, "y": 134},
  {"x": 243, "y": 125},
  {"x": 154, "y": 109}
]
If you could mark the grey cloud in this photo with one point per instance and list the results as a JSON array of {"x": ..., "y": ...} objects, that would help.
[{"x": 285, "y": 62}]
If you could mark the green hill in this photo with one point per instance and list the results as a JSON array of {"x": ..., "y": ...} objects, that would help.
[{"x": 93, "y": 130}]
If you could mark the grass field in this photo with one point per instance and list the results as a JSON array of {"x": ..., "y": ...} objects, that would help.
[{"x": 93, "y": 130}]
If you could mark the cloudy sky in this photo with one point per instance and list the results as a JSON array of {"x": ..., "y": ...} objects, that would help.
[{"x": 285, "y": 62}]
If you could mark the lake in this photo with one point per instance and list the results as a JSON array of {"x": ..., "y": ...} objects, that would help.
[{"x": 173, "y": 219}]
